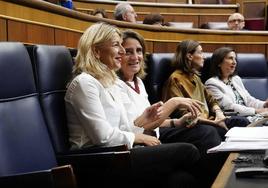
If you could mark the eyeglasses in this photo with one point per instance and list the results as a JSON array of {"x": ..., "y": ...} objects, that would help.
[{"x": 236, "y": 20}]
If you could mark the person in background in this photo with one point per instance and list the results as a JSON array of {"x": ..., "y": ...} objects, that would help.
[
  {"x": 125, "y": 12},
  {"x": 154, "y": 19},
  {"x": 227, "y": 87},
  {"x": 96, "y": 115},
  {"x": 236, "y": 21},
  {"x": 100, "y": 12},
  {"x": 185, "y": 82},
  {"x": 64, "y": 3},
  {"x": 171, "y": 130}
]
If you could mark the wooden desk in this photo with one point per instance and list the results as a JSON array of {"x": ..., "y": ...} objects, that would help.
[
  {"x": 227, "y": 179},
  {"x": 225, "y": 172}
]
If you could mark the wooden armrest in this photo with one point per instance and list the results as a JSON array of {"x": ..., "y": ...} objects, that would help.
[
  {"x": 59, "y": 177},
  {"x": 95, "y": 166}
]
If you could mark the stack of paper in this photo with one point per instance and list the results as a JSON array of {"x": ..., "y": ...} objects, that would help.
[{"x": 244, "y": 138}]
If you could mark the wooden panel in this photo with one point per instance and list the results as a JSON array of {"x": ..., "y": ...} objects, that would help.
[
  {"x": 30, "y": 33},
  {"x": 172, "y": 1},
  {"x": 162, "y": 1},
  {"x": 147, "y": 7},
  {"x": 215, "y": 18},
  {"x": 254, "y": 9},
  {"x": 171, "y": 12},
  {"x": 163, "y": 47},
  {"x": 67, "y": 38},
  {"x": 3, "y": 30},
  {"x": 32, "y": 20},
  {"x": 249, "y": 48},
  {"x": 149, "y": 47},
  {"x": 152, "y": 1},
  {"x": 237, "y": 47},
  {"x": 207, "y": 1}
]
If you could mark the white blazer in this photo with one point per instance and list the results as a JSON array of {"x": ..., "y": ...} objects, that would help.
[
  {"x": 226, "y": 96},
  {"x": 96, "y": 115},
  {"x": 139, "y": 103}
]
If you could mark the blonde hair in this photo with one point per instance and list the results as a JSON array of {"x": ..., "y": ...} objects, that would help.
[{"x": 86, "y": 59}]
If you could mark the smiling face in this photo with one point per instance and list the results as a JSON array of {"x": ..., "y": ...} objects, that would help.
[
  {"x": 228, "y": 65},
  {"x": 111, "y": 52},
  {"x": 131, "y": 61},
  {"x": 197, "y": 58}
]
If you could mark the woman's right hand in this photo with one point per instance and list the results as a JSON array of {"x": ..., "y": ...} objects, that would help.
[
  {"x": 187, "y": 120},
  {"x": 192, "y": 105},
  {"x": 221, "y": 123},
  {"x": 146, "y": 140},
  {"x": 150, "y": 114},
  {"x": 262, "y": 111}
]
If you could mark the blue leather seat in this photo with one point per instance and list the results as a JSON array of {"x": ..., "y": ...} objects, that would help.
[
  {"x": 25, "y": 145},
  {"x": 158, "y": 69},
  {"x": 53, "y": 68},
  {"x": 253, "y": 69}
]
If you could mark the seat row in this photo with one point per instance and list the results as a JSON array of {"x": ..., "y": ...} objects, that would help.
[
  {"x": 34, "y": 135},
  {"x": 252, "y": 68}
]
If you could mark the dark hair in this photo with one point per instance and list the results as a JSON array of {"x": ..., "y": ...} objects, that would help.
[
  {"x": 153, "y": 18},
  {"x": 180, "y": 60},
  {"x": 100, "y": 11},
  {"x": 217, "y": 58},
  {"x": 134, "y": 35}
]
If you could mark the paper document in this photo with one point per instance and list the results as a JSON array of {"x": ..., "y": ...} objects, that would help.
[
  {"x": 239, "y": 146},
  {"x": 248, "y": 132},
  {"x": 243, "y": 138}
]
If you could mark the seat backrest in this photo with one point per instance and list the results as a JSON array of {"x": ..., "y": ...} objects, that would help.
[
  {"x": 53, "y": 68},
  {"x": 24, "y": 140},
  {"x": 253, "y": 69},
  {"x": 158, "y": 69}
]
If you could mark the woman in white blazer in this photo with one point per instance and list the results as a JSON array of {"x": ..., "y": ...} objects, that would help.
[{"x": 227, "y": 87}]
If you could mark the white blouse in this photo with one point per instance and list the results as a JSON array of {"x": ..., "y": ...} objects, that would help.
[
  {"x": 139, "y": 103},
  {"x": 97, "y": 115}
]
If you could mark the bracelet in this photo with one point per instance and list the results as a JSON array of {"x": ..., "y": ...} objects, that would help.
[
  {"x": 172, "y": 123},
  {"x": 136, "y": 124}
]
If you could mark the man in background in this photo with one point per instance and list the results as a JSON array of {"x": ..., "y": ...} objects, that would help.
[
  {"x": 236, "y": 21},
  {"x": 125, "y": 12}
]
